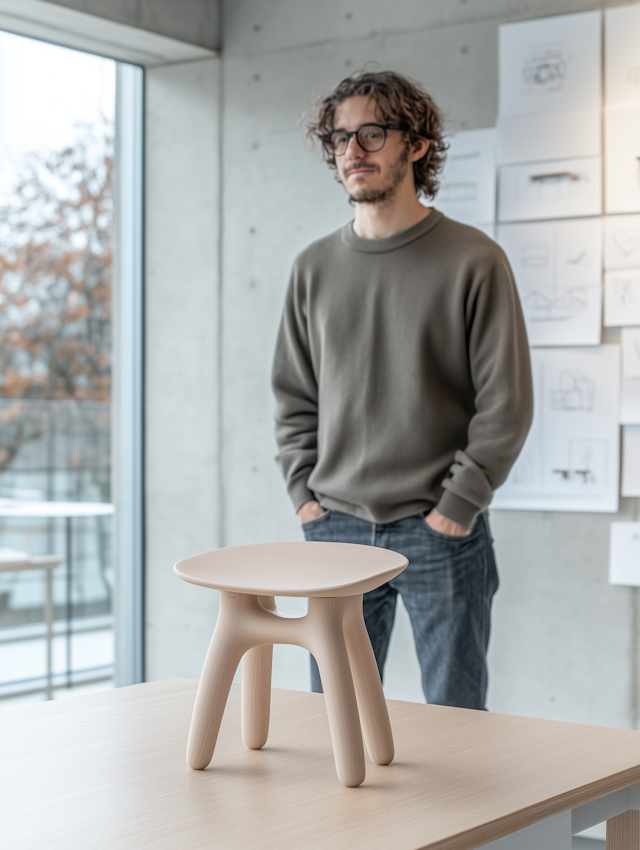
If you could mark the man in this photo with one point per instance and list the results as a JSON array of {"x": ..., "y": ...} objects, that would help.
[{"x": 403, "y": 383}]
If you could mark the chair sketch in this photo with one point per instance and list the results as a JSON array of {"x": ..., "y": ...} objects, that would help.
[{"x": 576, "y": 392}]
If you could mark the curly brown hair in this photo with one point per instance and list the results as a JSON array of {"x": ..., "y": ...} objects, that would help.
[{"x": 402, "y": 103}]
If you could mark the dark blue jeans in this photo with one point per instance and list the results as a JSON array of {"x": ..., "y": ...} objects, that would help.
[{"x": 447, "y": 590}]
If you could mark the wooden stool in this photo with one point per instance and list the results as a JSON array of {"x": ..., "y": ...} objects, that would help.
[{"x": 334, "y": 576}]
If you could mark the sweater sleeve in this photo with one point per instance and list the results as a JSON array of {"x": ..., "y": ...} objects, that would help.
[
  {"x": 501, "y": 375},
  {"x": 296, "y": 393}
]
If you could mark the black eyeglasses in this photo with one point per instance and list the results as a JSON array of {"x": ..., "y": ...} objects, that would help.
[{"x": 370, "y": 137}]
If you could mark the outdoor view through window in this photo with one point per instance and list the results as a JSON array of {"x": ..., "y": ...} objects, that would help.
[{"x": 56, "y": 156}]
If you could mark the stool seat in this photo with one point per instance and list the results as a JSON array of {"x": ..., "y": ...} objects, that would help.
[{"x": 293, "y": 569}]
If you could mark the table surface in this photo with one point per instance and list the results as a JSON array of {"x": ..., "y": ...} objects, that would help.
[
  {"x": 28, "y": 508},
  {"x": 108, "y": 770}
]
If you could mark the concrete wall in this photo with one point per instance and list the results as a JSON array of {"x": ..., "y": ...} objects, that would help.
[
  {"x": 182, "y": 413},
  {"x": 192, "y": 21},
  {"x": 564, "y": 641}
]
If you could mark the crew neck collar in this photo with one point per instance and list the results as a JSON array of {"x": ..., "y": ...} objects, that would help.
[{"x": 390, "y": 243}]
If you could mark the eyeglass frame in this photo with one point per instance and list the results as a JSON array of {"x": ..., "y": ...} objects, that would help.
[{"x": 349, "y": 133}]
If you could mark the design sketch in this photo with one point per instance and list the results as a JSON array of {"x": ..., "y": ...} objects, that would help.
[
  {"x": 468, "y": 183},
  {"x": 555, "y": 304},
  {"x": 558, "y": 272},
  {"x": 545, "y": 68},
  {"x": 570, "y": 459},
  {"x": 557, "y": 187},
  {"x": 626, "y": 241},
  {"x": 535, "y": 256},
  {"x": 580, "y": 259},
  {"x": 576, "y": 392},
  {"x": 587, "y": 462},
  {"x": 622, "y": 298},
  {"x": 452, "y": 193},
  {"x": 627, "y": 291}
]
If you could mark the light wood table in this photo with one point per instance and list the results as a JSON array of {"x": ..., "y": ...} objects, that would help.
[{"x": 108, "y": 771}]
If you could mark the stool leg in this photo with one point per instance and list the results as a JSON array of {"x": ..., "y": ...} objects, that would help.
[
  {"x": 328, "y": 647},
  {"x": 227, "y": 647},
  {"x": 256, "y": 689},
  {"x": 366, "y": 678},
  {"x": 256, "y": 696}
]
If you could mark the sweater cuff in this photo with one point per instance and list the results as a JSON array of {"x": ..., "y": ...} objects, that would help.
[
  {"x": 300, "y": 493},
  {"x": 457, "y": 509}
]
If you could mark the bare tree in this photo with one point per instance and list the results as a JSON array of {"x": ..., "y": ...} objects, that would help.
[
  {"x": 55, "y": 277},
  {"x": 56, "y": 259}
]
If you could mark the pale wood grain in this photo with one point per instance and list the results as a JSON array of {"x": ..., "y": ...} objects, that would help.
[
  {"x": 623, "y": 832},
  {"x": 293, "y": 569},
  {"x": 107, "y": 770}
]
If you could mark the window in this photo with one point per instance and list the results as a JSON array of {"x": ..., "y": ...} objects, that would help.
[{"x": 70, "y": 368}]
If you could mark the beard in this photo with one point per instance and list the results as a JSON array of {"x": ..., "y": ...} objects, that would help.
[{"x": 387, "y": 193}]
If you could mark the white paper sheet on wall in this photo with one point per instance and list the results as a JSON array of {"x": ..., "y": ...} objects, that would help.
[
  {"x": 468, "y": 182},
  {"x": 558, "y": 269},
  {"x": 622, "y": 159},
  {"x": 622, "y": 61},
  {"x": 555, "y": 135},
  {"x": 630, "y": 339},
  {"x": 630, "y": 401},
  {"x": 566, "y": 188},
  {"x": 624, "y": 553},
  {"x": 631, "y": 460},
  {"x": 622, "y": 298},
  {"x": 570, "y": 460},
  {"x": 622, "y": 242},
  {"x": 551, "y": 64}
]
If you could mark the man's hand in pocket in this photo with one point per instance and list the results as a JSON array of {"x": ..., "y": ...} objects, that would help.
[
  {"x": 437, "y": 522},
  {"x": 310, "y": 510}
]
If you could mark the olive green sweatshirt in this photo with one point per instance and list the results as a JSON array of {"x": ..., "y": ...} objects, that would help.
[{"x": 401, "y": 373}]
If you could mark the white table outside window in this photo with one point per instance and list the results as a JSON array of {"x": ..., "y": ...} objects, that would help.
[
  {"x": 14, "y": 561},
  {"x": 67, "y": 511}
]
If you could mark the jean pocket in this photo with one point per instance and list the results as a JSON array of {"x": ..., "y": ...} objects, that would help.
[{"x": 315, "y": 521}]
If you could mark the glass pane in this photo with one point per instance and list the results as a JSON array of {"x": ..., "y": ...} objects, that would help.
[{"x": 57, "y": 111}]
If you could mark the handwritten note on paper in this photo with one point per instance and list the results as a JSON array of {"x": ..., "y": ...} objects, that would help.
[{"x": 624, "y": 553}]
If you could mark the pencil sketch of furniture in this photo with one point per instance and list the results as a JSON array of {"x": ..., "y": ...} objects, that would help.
[
  {"x": 333, "y": 576},
  {"x": 11, "y": 560},
  {"x": 576, "y": 392},
  {"x": 545, "y": 69},
  {"x": 587, "y": 462},
  {"x": 553, "y": 304}
]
